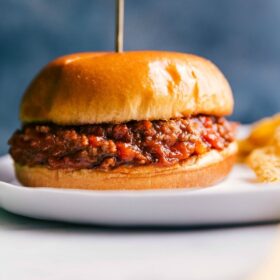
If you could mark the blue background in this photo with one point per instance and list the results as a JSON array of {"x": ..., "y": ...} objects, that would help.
[{"x": 242, "y": 37}]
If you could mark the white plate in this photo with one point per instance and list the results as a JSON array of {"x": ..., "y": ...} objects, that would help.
[{"x": 238, "y": 199}]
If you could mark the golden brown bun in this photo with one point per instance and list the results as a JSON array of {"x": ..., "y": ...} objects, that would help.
[
  {"x": 196, "y": 172},
  {"x": 118, "y": 87}
]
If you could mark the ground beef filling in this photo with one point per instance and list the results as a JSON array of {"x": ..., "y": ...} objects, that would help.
[{"x": 107, "y": 146}]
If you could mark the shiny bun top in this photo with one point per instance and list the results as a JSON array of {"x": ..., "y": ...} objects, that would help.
[{"x": 89, "y": 88}]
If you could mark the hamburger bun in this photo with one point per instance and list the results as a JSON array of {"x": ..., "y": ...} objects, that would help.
[
  {"x": 204, "y": 170},
  {"x": 108, "y": 88},
  {"x": 92, "y": 88}
]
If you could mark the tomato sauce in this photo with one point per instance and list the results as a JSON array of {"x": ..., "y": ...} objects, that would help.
[{"x": 107, "y": 146}]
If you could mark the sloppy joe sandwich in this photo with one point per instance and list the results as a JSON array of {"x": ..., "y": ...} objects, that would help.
[{"x": 131, "y": 120}]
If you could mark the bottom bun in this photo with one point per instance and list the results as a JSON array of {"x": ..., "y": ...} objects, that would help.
[{"x": 200, "y": 171}]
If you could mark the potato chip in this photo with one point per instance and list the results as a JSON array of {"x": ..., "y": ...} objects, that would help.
[
  {"x": 261, "y": 149},
  {"x": 276, "y": 140},
  {"x": 245, "y": 147},
  {"x": 263, "y": 131},
  {"x": 265, "y": 163}
]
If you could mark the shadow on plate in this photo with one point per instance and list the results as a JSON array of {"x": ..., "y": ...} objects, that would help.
[{"x": 17, "y": 222}]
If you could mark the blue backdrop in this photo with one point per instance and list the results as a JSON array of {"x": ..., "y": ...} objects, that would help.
[{"x": 241, "y": 37}]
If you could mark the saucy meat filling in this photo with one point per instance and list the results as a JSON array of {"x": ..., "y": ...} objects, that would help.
[{"x": 107, "y": 146}]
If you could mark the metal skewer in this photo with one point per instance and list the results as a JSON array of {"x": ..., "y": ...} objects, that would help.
[{"x": 119, "y": 25}]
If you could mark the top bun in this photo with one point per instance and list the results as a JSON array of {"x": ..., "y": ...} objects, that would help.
[{"x": 89, "y": 88}]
